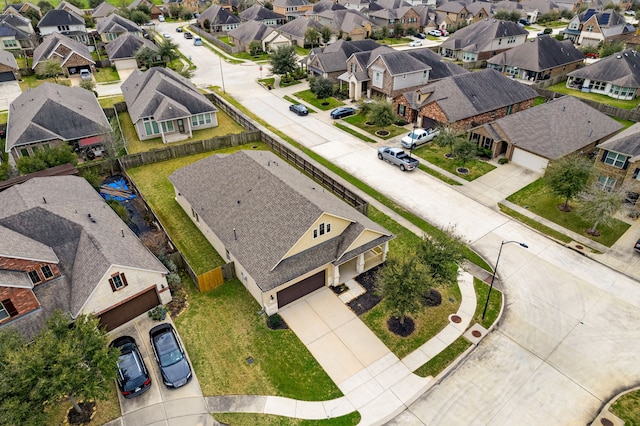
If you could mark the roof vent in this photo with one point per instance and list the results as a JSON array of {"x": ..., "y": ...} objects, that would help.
[
  {"x": 626, "y": 54},
  {"x": 90, "y": 218},
  {"x": 45, "y": 200}
]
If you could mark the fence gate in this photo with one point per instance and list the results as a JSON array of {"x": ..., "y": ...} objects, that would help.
[{"x": 210, "y": 279}]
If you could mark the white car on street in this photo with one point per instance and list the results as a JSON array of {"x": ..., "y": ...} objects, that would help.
[{"x": 415, "y": 43}]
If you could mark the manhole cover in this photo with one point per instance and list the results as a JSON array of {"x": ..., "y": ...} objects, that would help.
[
  {"x": 606, "y": 422},
  {"x": 476, "y": 333},
  {"x": 456, "y": 319}
]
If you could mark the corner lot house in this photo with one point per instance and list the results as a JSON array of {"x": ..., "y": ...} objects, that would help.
[
  {"x": 286, "y": 234},
  {"x": 50, "y": 115},
  {"x": 62, "y": 247},
  {"x": 533, "y": 137},
  {"x": 618, "y": 162},
  {"x": 164, "y": 104}
]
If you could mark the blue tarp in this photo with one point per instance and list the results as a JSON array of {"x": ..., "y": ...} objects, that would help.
[{"x": 119, "y": 184}]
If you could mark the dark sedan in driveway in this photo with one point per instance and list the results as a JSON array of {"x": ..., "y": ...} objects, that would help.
[
  {"x": 133, "y": 376},
  {"x": 299, "y": 109},
  {"x": 342, "y": 112},
  {"x": 170, "y": 356}
]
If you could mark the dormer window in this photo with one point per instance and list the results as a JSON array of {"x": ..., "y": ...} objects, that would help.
[
  {"x": 35, "y": 277},
  {"x": 46, "y": 272},
  {"x": 323, "y": 228}
]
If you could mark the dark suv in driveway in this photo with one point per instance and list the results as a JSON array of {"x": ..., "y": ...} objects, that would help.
[
  {"x": 170, "y": 356},
  {"x": 133, "y": 376}
]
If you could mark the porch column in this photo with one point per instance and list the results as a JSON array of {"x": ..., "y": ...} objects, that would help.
[
  {"x": 385, "y": 250},
  {"x": 360, "y": 264},
  {"x": 188, "y": 120},
  {"x": 161, "y": 132},
  {"x": 336, "y": 275}
]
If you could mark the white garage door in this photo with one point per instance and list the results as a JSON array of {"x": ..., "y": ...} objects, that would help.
[
  {"x": 126, "y": 64},
  {"x": 530, "y": 161}
]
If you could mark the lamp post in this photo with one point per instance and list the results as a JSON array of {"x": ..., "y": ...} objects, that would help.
[{"x": 495, "y": 271}]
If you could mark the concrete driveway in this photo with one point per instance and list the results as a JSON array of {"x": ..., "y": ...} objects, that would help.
[
  {"x": 159, "y": 405},
  {"x": 9, "y": 91}
]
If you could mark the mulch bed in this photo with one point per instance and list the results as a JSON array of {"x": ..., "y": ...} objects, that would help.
[
  {"x": 402, "y": 330},
  {"x": 75, "y": 418},
  {"x": 370, "y": 299}
]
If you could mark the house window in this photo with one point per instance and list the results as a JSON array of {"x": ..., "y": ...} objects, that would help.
[
  {"x": 401, "y": 109},
  {"x": 616, "y": 160},
  {"x": 598, "y": 85},
  {"x": 424, "y": 74},
  {"x": 150, "y": 126},
  {"x": 35, "y": 277},
  {"x": 118, "y": 281},
  {"x": 353, "y": 68},
  {"x": 377, "y": 78},
  {"x": 321, "y": 229},
  {"x": 200, "y": 119},
  {"x": 167, "y": 126},
  {"x": 7, "y": 309},
  {"x": 9, "y": 43},
  {"x": 63, "y": 28},
  {"x": 590, "y": 28},
  {"x": 315, "y": 233},
  {"x": 24, "y": 152},
  {"x": 46, "y": 272},
  {"x": 606, "y": 183},
  {"x": 509, "y": 109}
]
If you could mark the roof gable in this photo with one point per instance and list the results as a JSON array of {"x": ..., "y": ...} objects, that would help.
[
  {"x": 539, "y": 54},
  {"x": 58, "y": 17},
  {"x": 478, "y": 37},
  {"x": 621, "y": 69},
  {"x": 126, "y": 46}
]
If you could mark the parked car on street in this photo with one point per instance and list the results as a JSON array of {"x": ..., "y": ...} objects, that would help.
[
  {"x": 85, "y": 74},
  {"x": 418, "y": 137},
  {"x": 133, "y": 377},
  {"x": 523, "y": 21},
  {"x": 546, "y": 31},
  {"x": 299, "y": 109},
  {"x": 170, "y": 356},
  {"x": 421, "y": 35},
  {"x": 342, "y": 112},
  {"x": 630, "y": 12},
  {"x": 398, "y": 157},
  {"x": 636, "y": 246},
  {"x": 415, "y": 43},
  {"x": 161, "y": 18},
  {"x": 188, "y": 35},
  {"x": 197, "y": 41},
  {"x": 178, "y": 29},
  {"x": 166, "y": 35},
  {"x": 435, "y": 33}
]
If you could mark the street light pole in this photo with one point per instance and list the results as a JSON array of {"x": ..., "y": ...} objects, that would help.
[{"x": 495, "y": 271}]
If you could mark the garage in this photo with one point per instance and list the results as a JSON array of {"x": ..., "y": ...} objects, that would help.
[
  {"x": 126, "y": 64},
  {"x": 530, "y": 161},
  {"x": 300, "y": 289},
  {"x": 130, "y": 309},
  {"x": 7, "y": 76}
]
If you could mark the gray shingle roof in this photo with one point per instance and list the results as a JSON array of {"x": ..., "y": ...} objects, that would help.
[
  {"x": 399, "y": 62},
  {"x": 259, "y": 13},
  {"x": 85, "y": 249},
  {"x": 48, "y": 46},
  {"x": 51, "y": 111},
  {"x": 327, "y": 5},
  {"x": 115, "y": 23},
  {"x": 126, "y": 46},
  {"x": 251, "y": 30},
  {"x": 440, "y": 68},
  {"x": 625, "y": 142},
  {"x": 7, "y": 59},
  {"x": 17, "y": 246},
  {"x": 346, "y": 20},
  {"x": 56, "y": 17},
  {"x": 14, "y": 279},
  {"x": 451, "y": 7},
  {"x": 104, "y": 9},
  {"x": 539, "y": 54},
  {"x": 161, "y": 92},
  {"x": 285, "y": 3},
  {"x": 556, "y": 128},
  {"x": 271, "y": 206},
  {"x": 297, "y": 27},
  {"x": 466, "y": 95},
  {"x": 218, "y": 16},
  {"x": 17, "y": 26},
  {"x": 478, "y": 37},
  {"x": 333, "y": 58},
  {"x": 621, "y": 69}
]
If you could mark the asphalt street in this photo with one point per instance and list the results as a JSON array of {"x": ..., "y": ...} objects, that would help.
[{"x": 568, "y": 341}]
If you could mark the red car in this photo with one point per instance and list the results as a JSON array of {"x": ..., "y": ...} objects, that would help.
[{"x": 593, "y": 55}]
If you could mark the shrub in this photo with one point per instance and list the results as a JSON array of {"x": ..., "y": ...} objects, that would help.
[
  {"x": 174, "y": 280},
  {"x": 93, "y": 177},
  {"x": 503, "y": 160},
  {"x": 274, "y": 321},
  {"x": 401, "y": 122},
  {"x": 484, "y": 152},
  {"x": 120, "y": 210},
  {"x": 158, "y": 313}
]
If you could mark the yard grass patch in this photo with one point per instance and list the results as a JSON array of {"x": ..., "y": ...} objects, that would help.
[
  {"x": 603, "y": 99},
  {"x": 435, "y": 154},
  {"x": 539, "y": 199},
  {"x": 105, "y": 75},
  {"x": 360, "y": 121},
  {"x": 535, "y": 224},
  {"x": 249, "y": 57},
  {"x": 354, "y": 132},
  {"x": 30, "y": 81},
  {"x": 153, "y": 181},
  {"x": 224, "y": 327},
  {"x": 627, "y": 407},
  {"x": 393, "y": 40},
  {"x": 110, "y": 101},
  {"x": 438, "y": 175},
  {"x": 309, "y": 97},
  {"x": 106, "y": 410},
  {"x": 250, "y": 419}
]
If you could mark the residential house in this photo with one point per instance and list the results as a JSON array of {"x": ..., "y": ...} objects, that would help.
[
  {"x": 230, "y": 6},
  {"x": 22, "y": 9},
  {"x": 478, "y": 11},
  {"x": 218, "y": 20},
  {"x": 422, "y": 3},
  {"x": 540, "y": 58},
  {"x": 114, "y": 26},
  {"x": 103, "y": 10},
  {"x": 465, "y": 100},
  {"x": 17, "y": 34},
  {"x": 509, "y": 6},
  {"x": 383, "y": 72},
  {"x": 284, "y": 233},
  {"x": 122, "y": 51},
  {"x": 323, "y": 6},
  {"x": 352, "y": 24},
  {"x": 616, "y": 76},
  {"x": 52, "y": 114},
  {"x": 536, "y": 136},
  {"x": 355, "y": 4},
  {"x": 292, "y": 9},
  {"x": 331, "y": 61},
  {"x": 295, "y": 30},
  {"x": 9, "y": 70},
  {"x": 164, "y": 104},
  {"x": 62, "y": 247},
  {"x": 269, "y": 38},
  {"x": 263, "y": 15},
  {"x": 617, "y": 163},
  {"x": 73, "y": 56},
  {"x": 592, "y": 27},
  {"x": 440, "y": 68},
  {"x": 65, "y": 23},
  {"x": 478, "y": 42},
  {"x": 64, "y": 5},
  {"x": 155, "y": 10},
  {"x": 535, "y": 8},
  {"x": 402, "y": 17},
  {"x": 190, "y": 5},
  {"x": 454, "y": 15}
]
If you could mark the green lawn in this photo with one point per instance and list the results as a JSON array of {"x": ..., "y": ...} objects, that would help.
[
  {"x": 226, "y": 40},
  {"x": 538, "y": 198},
  {"x": 625, "y": 123},
  {"x": 226, "y": 126},
  {"x": 353, "y": 132},
  {"x": 627, "y": 408},
  {"x": 309, "y": 97},
  {"x": 249, "y": 57},
  {"x": 562, "y": 88},
  {"x": 30, "y": 81},
  {"x": 224, "y": 327},
  {"x": 393, "y": 40},
  {"x": 435, "y": 154},
  {"x": 360, "y": 121},
  {"x": 538, "y": 100},
  {"x": 4, "y": 116},
  {"x": 292, "y": 83},
  {"x": 250, "y": 419},
  {"x": 110, "y": 101},
  {"x": 268, "y": 81},
  {"x": 105, "y": 75},
  {"x": 535, "y": 224},
  {"x": 301, "y": 51}
]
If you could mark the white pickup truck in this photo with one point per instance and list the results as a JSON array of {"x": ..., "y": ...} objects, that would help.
[
  {"x": 398, "y": 157},
  {"x": 418, "y": 137}
]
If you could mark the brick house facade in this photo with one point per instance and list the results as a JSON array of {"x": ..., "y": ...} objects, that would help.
[{"x": 617, "y": 164}]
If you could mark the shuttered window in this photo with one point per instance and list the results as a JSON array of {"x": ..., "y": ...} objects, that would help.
[{"x": 118, "y": 282}]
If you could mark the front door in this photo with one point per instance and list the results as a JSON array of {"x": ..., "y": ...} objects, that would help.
[{"x": 181, "y": 125}]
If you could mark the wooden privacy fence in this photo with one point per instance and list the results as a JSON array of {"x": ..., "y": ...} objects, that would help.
[{"x": 211, "y": 279}]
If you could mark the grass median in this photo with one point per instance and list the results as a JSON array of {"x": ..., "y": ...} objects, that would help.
[{"x": 251, "y": 419}]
